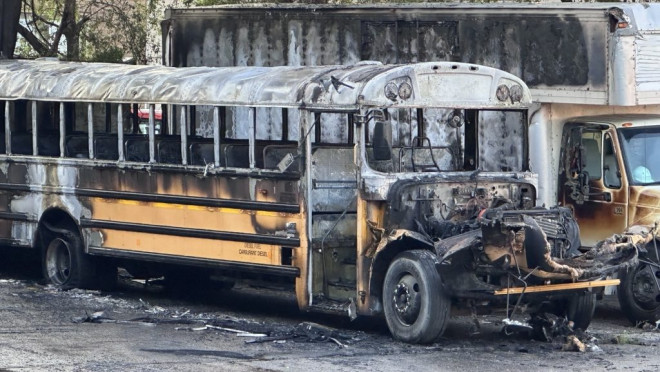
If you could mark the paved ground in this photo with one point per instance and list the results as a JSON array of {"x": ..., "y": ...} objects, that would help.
[{"x": 146, "y": 328}]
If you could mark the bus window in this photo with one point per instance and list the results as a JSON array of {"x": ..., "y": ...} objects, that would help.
[
  {"x": 332, "y": 128},
  {"x": 168, "y": 141},
  {"x": 138, "y": 146},
  {"x": 105, "y": 146},
  {"x": 143, "y": 120},
  {"x": 397, "y": 143},
  {"x": 237, "y": 119},
  {"x": 506, "y": 152},
  {"x": 77, "y": 134},
  {"x": 21, "y": 127},
  {"x": 199, "y": 133},
  {"x": 291, "y": 129},
  {"x": 241, "y": 124},
  {"x": 3, "y": 149},
  {"x": 268, "y": 124}
]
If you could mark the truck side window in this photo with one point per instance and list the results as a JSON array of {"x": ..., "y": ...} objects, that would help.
[
  {"x": 611, "y": 174},
  {"x": 591, "y": 145}
]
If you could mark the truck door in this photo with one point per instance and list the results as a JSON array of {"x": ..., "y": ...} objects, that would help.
[{"x": 591, "y": 181}]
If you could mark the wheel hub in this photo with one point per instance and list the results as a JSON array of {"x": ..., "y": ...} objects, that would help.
[
  {"x": 58, "y": 261},
  {"x": 401, "y": 298},
  {"x": 645, "y": 287},
  {"x": 407, "y": 299}
]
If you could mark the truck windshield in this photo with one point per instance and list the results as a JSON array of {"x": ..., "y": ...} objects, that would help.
[{"x": 641, "y": 150}]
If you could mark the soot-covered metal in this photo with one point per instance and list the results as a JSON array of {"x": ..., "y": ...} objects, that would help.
[{"x": 545, "y": 49}]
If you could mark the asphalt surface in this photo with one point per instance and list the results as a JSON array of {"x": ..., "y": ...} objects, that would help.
[{"x": 144, "y": 327}]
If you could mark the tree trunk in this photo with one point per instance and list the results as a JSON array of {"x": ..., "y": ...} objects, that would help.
[
  {"x": 10, "y": 12},
  {"x": 71, "y": 30}
]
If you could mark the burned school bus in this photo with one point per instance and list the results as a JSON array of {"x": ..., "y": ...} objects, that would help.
[
  {"x": 370, "y": 188},
  {"x": 591, "y": 68}
]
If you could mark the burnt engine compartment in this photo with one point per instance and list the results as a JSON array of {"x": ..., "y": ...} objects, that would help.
[
  {"x": 488, "y": 236},
  {"x": 440, "y": 209}
]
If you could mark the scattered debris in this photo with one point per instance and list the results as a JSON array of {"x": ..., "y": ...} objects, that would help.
[
  {"x": 214, "y": 353},
  {"x": 309, "y": 332},
  {"x": 337, "y": 342},
  {"x": 514, "y": 326},
  {"x": 97, "y": 317},
  {"x": 247, "y": 334},
  {"x": 553, "y": 329},
  {"x": 100, "y": 317},
  {"x": 181, "y": 315},
  {"x": 593, "y": 348},
  {"x": 259, "y": 333},
  {"x": 275, "y": 339},
  {"x": 574, "y": 344},
  {"x": 152, "y": 309},
  {"x": 649, "y": 326}
]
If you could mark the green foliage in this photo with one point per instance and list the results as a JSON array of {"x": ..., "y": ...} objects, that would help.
[
  {"x": 90, "y": 30},
  {"x": 25, "y": 50},
  {"x": 121, "y": 33},
  {"x": 110, "y": 54}
]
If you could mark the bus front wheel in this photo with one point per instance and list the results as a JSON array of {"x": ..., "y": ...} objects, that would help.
[
  {"x": 416, "y": 309},
  {"x": 580, "y": 309}
]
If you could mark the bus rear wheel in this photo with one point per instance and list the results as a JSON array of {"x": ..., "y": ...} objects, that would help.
[
  {"x": 416, "y": 310},
  {"x": 67, "y": 266}
]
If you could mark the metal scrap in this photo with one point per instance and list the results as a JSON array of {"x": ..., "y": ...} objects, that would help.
[
  {"x": 519, "y": 242},
  {"x": 553, "y": 329},
  {"x": 100, "y": 317}
]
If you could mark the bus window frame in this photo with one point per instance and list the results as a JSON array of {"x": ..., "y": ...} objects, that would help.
[{"x": 91, "y": 134}]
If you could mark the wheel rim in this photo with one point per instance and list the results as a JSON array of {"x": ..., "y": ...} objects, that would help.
[
  {"x": 407, "y": 299},
  {"x": 58, "y": 261},
  {"x": 645, "y": 288}
]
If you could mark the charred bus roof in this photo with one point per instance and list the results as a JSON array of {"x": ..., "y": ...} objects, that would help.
[{"x": 437, "y": 84}]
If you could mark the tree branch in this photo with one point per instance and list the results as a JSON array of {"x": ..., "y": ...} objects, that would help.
[
  {"x": 38, "y": 33},
  {"x": 34, "y": 41}
]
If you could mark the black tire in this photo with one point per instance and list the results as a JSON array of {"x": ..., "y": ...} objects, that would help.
[
  {"x": 416, "y": 308},
  {"x": 580, "y": 309},
  {"x": 638, "y": 294},
  {"x": 67, "y": 266}
]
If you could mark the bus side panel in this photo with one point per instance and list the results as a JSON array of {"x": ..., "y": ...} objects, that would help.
[
  {"x": 175, "y": 214},
  {"x": 216, "y": 217}
]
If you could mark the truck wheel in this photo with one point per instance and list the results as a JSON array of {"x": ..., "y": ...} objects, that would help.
[
  {"x": 65, "y": 264},
  {"x": 639, "y": 296},
  {"x": 580, "y": 309},
  {"x": 416, "y": 309}
]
